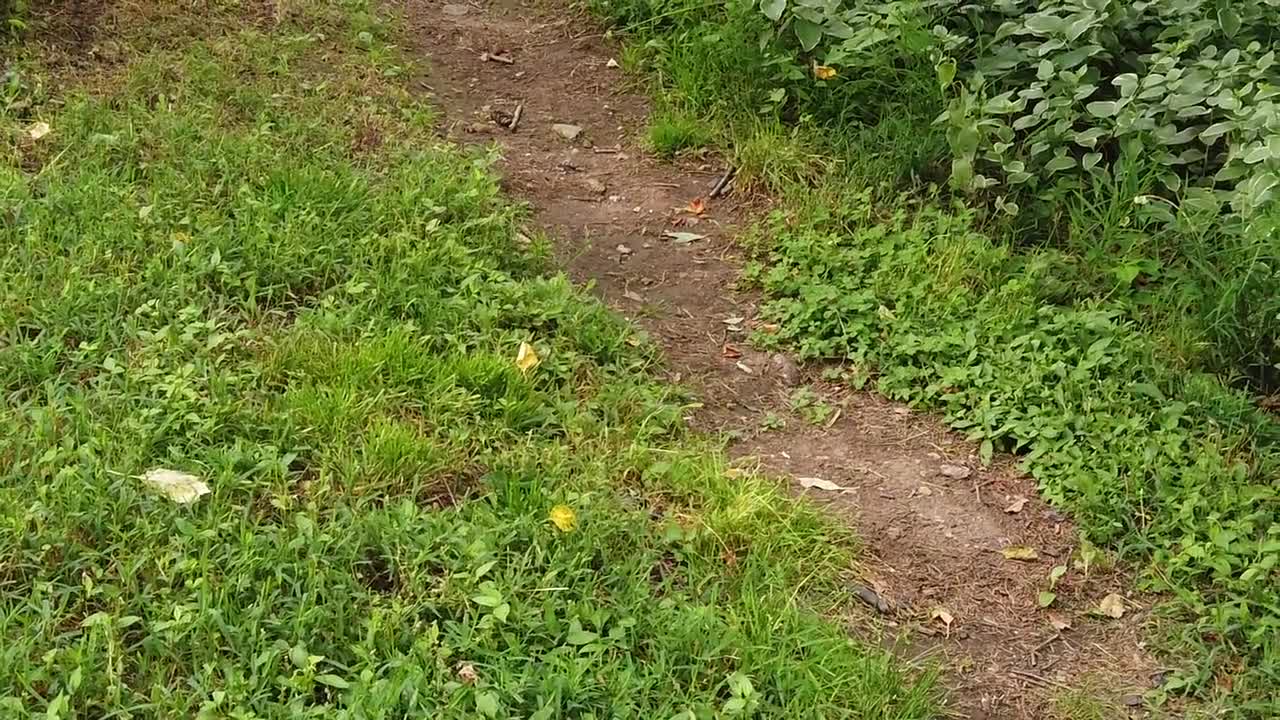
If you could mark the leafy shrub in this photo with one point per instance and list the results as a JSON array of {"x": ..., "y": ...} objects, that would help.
[{"x": 1044, "y": 94}]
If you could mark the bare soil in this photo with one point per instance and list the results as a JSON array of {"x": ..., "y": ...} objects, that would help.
[{"x": 933, "y": 542}]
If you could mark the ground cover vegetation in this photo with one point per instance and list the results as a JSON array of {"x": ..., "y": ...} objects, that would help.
[
  {"x": 297, "y": 422},
  {"x": 1055, "y": 222}
]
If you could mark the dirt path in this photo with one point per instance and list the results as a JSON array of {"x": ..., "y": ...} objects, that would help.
[{"x": 934, "y": 523}]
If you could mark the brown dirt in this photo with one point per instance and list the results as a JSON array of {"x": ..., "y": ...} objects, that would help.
[{"x": 932, "y": 542}]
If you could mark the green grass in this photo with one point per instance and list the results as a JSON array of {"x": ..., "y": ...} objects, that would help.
[
  {"x": 1119, "y": 357},
  {"x": 672, "y": 132},
  {"x": 210, "y": 267}
]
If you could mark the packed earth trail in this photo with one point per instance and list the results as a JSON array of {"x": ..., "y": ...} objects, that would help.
[{"x": 956, "y": 555}]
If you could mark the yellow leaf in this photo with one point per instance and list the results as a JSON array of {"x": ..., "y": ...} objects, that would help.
[
  {"x": 824, "y": 72},
  {"x": 563, "y": 517},
  {"x": 1017, "y": 552},
  {"x": 1112, "y": 606},
  {"x": 527, "y": 359},
  {"x": 182, "y": 488},
  {"x": 38, "y": 130},
  {"x": 943, "y": 614}
]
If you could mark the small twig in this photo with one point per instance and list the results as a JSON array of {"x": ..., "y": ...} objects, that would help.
[
  {"x": 504, "y": 59},
  {"x": 666, "y": 185},
  {"x": 515, "y": 117},
  {"x": 1040, "y": 679},
  {"x": 605, "y": 151},
  {"x": 722, "y": 182}
]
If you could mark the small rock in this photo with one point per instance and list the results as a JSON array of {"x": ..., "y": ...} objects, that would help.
[
  {"x": 456, "y": 10},
  {"x": 955, "y": 472},
  {"x": 611, "y": 64},
  {"x": 785, "y": 368},
  {"x": 568, "y": 132},
  {"x": 477, "y": 128},
  {"x": 615, "y": 198},
  {"x": 594, "y": 186},
  {"x": 1132, "y": 700},
  {"x": 893, "y": 533},
  {"x": 925, "y": 490},
  {"x": 624, "y": 250},
  {"x": 871, "y": 597}
]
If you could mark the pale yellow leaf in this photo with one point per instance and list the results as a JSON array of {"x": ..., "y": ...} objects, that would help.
[
  {"x": 527, "y": 358},
  {"x": 1016, "y": 506},
  {"x": 1112, "y": 606},
  {"x": 182, "y": 488},
  {"x": 943, "y": 614},
  {"x": 38, "y": 130},
  {"x": 1018, "y": 552},
  {"x": 563, "y": 517},
  {"x": 824, "y": 72}
]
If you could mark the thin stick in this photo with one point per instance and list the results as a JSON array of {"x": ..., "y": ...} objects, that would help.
[
  {"x": 497, "y": 58},
  {"x": 515, "y": 117},
  {"x": 722, "y": 182}
]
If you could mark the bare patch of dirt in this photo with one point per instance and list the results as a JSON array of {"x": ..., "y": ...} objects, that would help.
[{"x": 933, "y": 541}]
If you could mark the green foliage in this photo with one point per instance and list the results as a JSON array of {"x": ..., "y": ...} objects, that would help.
[
  {"x": 672, "y": 132},
  {"x": 1177, "y": 466},
  {"x": 204, "y": 270}
]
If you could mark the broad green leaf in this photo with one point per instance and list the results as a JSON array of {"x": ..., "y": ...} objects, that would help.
[
  {"x": 772, "y": 9},
  {"x": 1044, "y": 70},
  {"x": 487, "y": 704},
  {"x": 1060, "y": 163},
  {"x": 1229, "y": 21},
  {"x": 333, "y": 681},
  {"x": 946, "y": 70},
  {"x": 1046, "y": 598},
  {"x": 808, "y": 33},
  {"x": 1102, "y": 108},
  {"x": 1090, "y": 160}
]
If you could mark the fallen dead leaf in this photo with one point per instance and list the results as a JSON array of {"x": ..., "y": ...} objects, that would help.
[
  {"x": 611, "y": 63},
  {"x": 1112, "y": 606},
  {"x": 824, "y": 72},
  {"x": 683, "y": 238},
  {"x": 1058, "y": 623},
  {"x": 770, "y": 328},
  {"x": 731, "y": 352},
  {"x": 563, "y": 517},
  {"x": 527, "y": 358},
  {"x": 633, "y": 296},
  {"x": 955, "y": 472},
  {"x": 1019, "y": 552},
  {"x": 944, "y": 615},
  {"x": 745, "y": 368},
  {"x": 1017, "y": 505},
  {"x": 38, "y": 130},
  {"x": 467, "y": 674},
  {"x": 697, "y": 206},
  {"x": 813, "y": 483},
  {"x": 182, "y": 488}
]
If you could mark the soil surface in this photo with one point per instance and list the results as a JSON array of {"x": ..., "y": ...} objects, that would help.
[{"x": 934, "y": 522}]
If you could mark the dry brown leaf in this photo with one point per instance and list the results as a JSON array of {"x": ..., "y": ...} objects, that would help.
[
  {"x": 814, "y": 483},
  {"x": 731, "y": 352},
  {"x": 1112, "y": 606},
  {"x": 1017, "y": 505},
  {"x": 824, "y": 72},
  {"x": 944, "y": 615},
  {"x": 1059, "y": 623},
  {"x": 467, "y": 673},
  {"x": 697, "y": 206},
  {"x": 1019, "y": 552}
]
